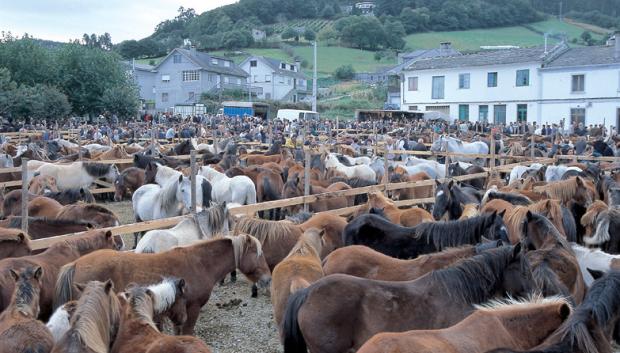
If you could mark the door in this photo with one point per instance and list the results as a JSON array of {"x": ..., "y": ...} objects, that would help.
[{"x": 499, "y": 114}]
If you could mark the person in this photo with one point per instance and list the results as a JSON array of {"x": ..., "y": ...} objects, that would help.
[{"x": 170, "y": 134}]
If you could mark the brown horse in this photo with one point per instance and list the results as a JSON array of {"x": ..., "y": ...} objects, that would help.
[
  {"x": 300, "y": 268},
  {"x": 576, "y": 189},
  {"x": 45, "y": 207},
  {"x": 20, "y": 331},
  {"x": 418, "y": 192},
  {"x": 12, "y": 202},
  {"x": 128, "y": 182},
  {"x": 117, "y": 152},
  {"x": 498, "y": 324},
  {"x": 39, "y": 228},
  {"x": 470, "y": 210},
  {"x": 13, "y": 243},
  {"x": 40, "y": 184},
  {"x": 410, "y": 217},
  {"x": 295, "y": 188},
  {"x": 202, "y": 265},
  {"x": 96, "y": 215},
  {"x": 137, "y": 332},
  {"x": 257, "y": 159},
  {"x": 362, "y": 261},
  {"x": 332, "y": 225},
  {"x": 267, "y": 182},
  {"x": 94, "y": 325},
  {"x": 51, "y": 260}
]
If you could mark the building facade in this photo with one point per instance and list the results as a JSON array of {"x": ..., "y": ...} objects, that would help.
[
  {"x": 511, "y": 85},
  {"x": 274, "y": 79}
]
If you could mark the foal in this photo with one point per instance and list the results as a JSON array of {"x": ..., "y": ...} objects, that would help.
[{"x": 20, "y": 331}]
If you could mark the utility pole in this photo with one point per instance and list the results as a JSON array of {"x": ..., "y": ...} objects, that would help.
[
  {"x": 250, "y": 84},
  {"x": 314, "y": 83},
  {"x": 560, "y": 15}
]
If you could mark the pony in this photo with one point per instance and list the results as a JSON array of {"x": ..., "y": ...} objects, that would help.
[
  {"x": 156, "y": 173},
  {"x": 362, "y": 261},
  {"x": 518, "y": 171},
  {"x": 152, "y": 201},
  {"x": 469, "y": 211},
  {"x": 239, "y": 189},
  {"x": 97, "y": 215},
  {"x": 268, "y": 183},
  {"x": 14, "y": 243},
  {"x": 202, "y": 265},
  {"x": 78, "y": 174},
  {"x": 451, "y": 144},
  {"x": 51, "y": 260},
  {"x": 39, "y": 228},
  {"x": 366, "y": 307},
  {"x": 361, "y": 171},
  {"x": 60, "y": 321},
  {"x": 42, "y": 184},
  {"x": 602, "y": 224},
  {"x": 576, "y": 189},
  {"x": 295, "y": 188},
  {"x": 408, "y": 242},
  {"x": 416, "y": 192},
  {"x": 502, "y": 317},
  {"x": 300, "y": 268},
  {"x": 207, "y": 224},
  {"x": 137, "y": 332},
  {"x": 410, "y": 217},
  {"x": 556, "y": 172},
  {"x": 94, "y": 325},
  {"x": 514, "y": 217},
  {"x": 594, "y": 259},
  {"x": 20, "y": 331},
  {"x": 70, "y": 196},
  {"x": 128, "y": 182},
  {"x": 455, "y": 169},
  {"x": 450, "y": 197}
]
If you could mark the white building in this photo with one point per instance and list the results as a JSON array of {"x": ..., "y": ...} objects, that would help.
[
  {"x": 503, "y": 86},
  {"x": 258, "y": 34},
  {"x": 275, "y": 79},
  {"x": 367, "y": 8}
]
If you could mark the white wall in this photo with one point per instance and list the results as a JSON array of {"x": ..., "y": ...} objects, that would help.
[{"x": 279, "y": 85}]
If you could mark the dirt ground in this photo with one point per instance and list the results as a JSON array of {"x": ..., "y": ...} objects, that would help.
[{"x": 232, "y": 321}]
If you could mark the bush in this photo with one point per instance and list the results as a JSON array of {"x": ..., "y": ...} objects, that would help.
[
  {"x": 345, "y": 72},
  {"x": 289, "y": 33},
  {"x": 309, "y": 35}
]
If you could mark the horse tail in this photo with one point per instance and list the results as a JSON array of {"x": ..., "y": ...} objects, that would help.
[
  {"x": 294, "y": 341},
  {"x": 269, "y": 193},
  {"x": 64, "y": 285},
  {"x": 206, "y": 193},
  {"x": 568, "y": 222},
  {"x": 602, "y": 230},
  {"x": 250, "y": 195}
]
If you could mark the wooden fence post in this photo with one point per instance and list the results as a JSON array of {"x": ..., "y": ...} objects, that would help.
[
  {"x": 306, "y": 177},
  {"x": 446, "y": 160},
  {"x": 532, "y": 154},
  {"x": 386, "y": 174},
  {"x": 79, "y": 146},
  {"x": 492, "y": 160},
  {"x": 192, "y": 160},
  {"x": 153, "y": 149},
  {"x": 25, "y": 195}
]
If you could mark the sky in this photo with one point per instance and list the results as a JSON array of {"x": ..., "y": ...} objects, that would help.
[{"x": 62, "y": 20}]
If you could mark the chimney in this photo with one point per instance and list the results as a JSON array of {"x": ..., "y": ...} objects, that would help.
[{"x": 298, "y": 65}]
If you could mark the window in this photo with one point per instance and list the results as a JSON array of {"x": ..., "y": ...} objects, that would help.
[
  {"x": 492, "y": 79},
  {"x": 165, "y": 78},
  {"x": 413, "y": 107},
  {"x": 483, "y": 113},
  {"x": 227, "y": 63},
  {"x": 499, "y": 114},
  {"x": 464, "y": 81},
  {"x": 578, "y": 83},
  {"x": 226, "y": 80},
  {"x": 438, "y": 87},
  {"x": 176, "y": 58},
  {"x": 193, "y": 75},
  {"x": 238, "y": 81},
  {"x": 253, "y": 63},
  {"x": 463, "y": 112},
  {"x": 523, "y": 78},
  {"x": 291, "y": 67},
  {"x": 164, "y": 96},
  {"x": 283, "y": 66},
  {"x": 211, "y": 77},
  {"x": 255, "y": 78},
  {"x": 267, "y": 95},
  {"x": 214, "y": 61},
  {"x": 191, "y": 96},
  {"x": 578, "y": 115},
  {"x": 521, "y": 112},
  {"x": 413, "y": 83},
  {"x": 267, "y": 78}
]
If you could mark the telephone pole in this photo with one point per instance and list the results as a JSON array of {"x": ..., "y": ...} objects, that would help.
[{"x": 314, "y": 83}]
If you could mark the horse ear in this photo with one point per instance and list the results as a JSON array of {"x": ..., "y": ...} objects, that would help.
[
  {"x": 21, "y": 237},
  {"x": 38, "y": 273},
  {"x": 81, "y": 191},
  {"x": 181, "y": 285},
  {"x": 451, "y": 183},
  {"x": 109, "y": 285},
  {"x": 437, "y": 182},
  {"x": 579, "y": 181},
  {"x": 181, "y": 178},
  {"x": 564, "y": 311},
  {"x": 80, "y": 286},
  {"x": 501, "y": 214},
  {"x": 516, "y": 249},
  {"x": 14, "y": 274},
  {"x": 108, "y": 234},
  {"x": 596, "y": 274},
  {"x": 529, "y": 215}
]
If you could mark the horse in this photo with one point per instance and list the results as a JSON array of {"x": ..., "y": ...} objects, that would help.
[
  {"x": 602, "y": 224},
  {"x": 295, "y": 188},
  {"x": 51, "y": 260},
  {"x": 268, "y": 184},
  {"x": 14, "y": 243},
  {"x": 300, "y": 268},
  {"x": 42, "y": 184},
  {"x": 415, "y": 192},
  {"x": 97, "y": 215},
  {"x": 576, "y": 190},
  {"x": 94, "y": 325},
  {"x": 502, "y": 317},
  {"x": 455, "y": 169},
  {"x": 410, "y": 217},
  {"x": 362, "y": 261},
  {"x": 366, "y": 307},
  {"x": 594, "y": 259},
  {"x": 156, "y": 173},
  {"x": 137, "y": 332},
  {"x": 451, "y": 144},
  {"x": 202, "y": 265},
  {"x": 70, "y": 196},
  {"x": 239, "y": 189},
  {"x": 183, "y": 148},
  {"x": 128, "y": 182},
  {"x": 361, "y": 171},
  {"x": 556, "y": 172},
  {"x": 20, "y": 331},
  {"x": 207, "y": 224},
  {"x": 59, "y": 322},
  {"x": 39, "y": 228},
  {"x": 469, "y": 211},
  {"x": 518, "y": 171},
  {"x": 78, "y": 174},
  {"x": 408, "y": 242},
  {"x": 117, "y": 152},
  {"x": 450, "y": 197}
]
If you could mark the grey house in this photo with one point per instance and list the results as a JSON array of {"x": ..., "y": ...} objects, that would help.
[{"x": 183, "y": 75}]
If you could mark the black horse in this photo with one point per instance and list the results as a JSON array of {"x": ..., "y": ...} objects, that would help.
[
  {"x": 183, "y": 148},
  {"x": 378, "y": 233},
  {"x": 455, "y": 169},
  {"x": 450, "y": 197}
]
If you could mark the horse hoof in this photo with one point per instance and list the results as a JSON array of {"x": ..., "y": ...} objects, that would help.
[
  {"x": 254, "y": 291},
  {"x": 233, "y": 277}
]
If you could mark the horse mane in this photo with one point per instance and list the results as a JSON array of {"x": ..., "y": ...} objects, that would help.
[
  {"x": 310, "y": 243},
  {"x": 265, "y": 230},
  {"x": 24, "y": 294},
  {"x": 453, "y": 233},
  {"x": 545, "y": 226},
  {"x": 95, "y": 315},
  {"x": 142, "y": 305},
  {"x": 16, "y": 222},
  {"x": 13, "y": 235},
  {"x": 96, "y": 169},
  {"x": 563, "y": 190},
  {"x": 511, "y": 303},
  {"x": 552, "y": 209},
  {"x": 241, "y": 243},
  {"x": 515, "y": 199},
  {"x": 475, "y": 278},
  {"x": 210, "y": 221},
  {"x": 165, "y": 293},
  {"x": 589, "y": 218},
  {"x": 88, "y": 206},
  {"x": 72, "y": 195}
]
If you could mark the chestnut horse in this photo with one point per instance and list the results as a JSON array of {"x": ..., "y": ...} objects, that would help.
[
  {"x": 13, "y": 243},
  {"x": 42, "y": 184},
  {"x": 497, "y": 324},
  {"x": 97, "y": 215},
  {"x": 295, "y": 188},
  {"x": 20, "y": 331},
  {"x": 39, "y": 228},
  {"x": 298, "y": 270},
  {"x": 202, "y": 265},
  {"x": 51, "y": 261},
  {"x": 410, "y": 217},
  {"x": 128, "y": 182},
  {"x": 137, "y": 332},
  {"x": 416, "y": 192}
]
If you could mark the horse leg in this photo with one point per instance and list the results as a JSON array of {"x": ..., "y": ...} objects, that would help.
[
  {"x": 192, "y": 316},
  {"x": 254, "y": 290}
]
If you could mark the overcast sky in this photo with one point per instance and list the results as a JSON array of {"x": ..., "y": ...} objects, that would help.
[{"x": 61, "y": 20}]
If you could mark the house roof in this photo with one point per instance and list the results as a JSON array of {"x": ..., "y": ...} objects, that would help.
[
  {"x": 204, "y": 61},
  {"x": 411, "y": 57},
  {"x": 274, "y": 64},
  {"x": 585, "y": 56}
]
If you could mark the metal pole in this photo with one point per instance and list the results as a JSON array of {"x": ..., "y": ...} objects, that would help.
[
  {"x": 25, "y": 195},
  {"x": 306, "y": 177},
  {"x": 153, "y": 149},
  {"x": 386, "y": 174},
  {"x": 492, "y": 161},
  {"x": 532, "y": 146},
  {"x": 314, "y": 83},
  {"x": 192, "y": 159},
  {"x": 446, "y": 160}
]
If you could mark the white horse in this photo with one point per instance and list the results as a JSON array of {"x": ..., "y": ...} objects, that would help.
[
  {"x": 594, "y": 259},
  {"x": 555, "y": 172},
  {"x": 6, "y": 161},
  {"x": 518, "y": 171},
  {"x": 164, "y": 174},
  {"x": 203, "y": 192},
  {"x": 78, "y": 174},
  {"x": 457, "y": 146},
  {"x": 238, "y": 189},
  {"x": 152, "y": 201},
  {"x": 65, "y": 143},
  {"x": 356, "y": 160},
  {"x": 202, "y": 146},
  {"x": 435, "y": 171},
  {"x": 361, "y": 171},
  {"x": 204, "y": 225},
  {"x": 95, "y": 148}
]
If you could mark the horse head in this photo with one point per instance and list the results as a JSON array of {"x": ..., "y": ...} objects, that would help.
[{"x": 443, "y": 198}]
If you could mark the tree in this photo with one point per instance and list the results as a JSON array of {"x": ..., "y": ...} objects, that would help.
[
  {"x": 289, "y": 33},
  {"x": 362, "y": 32},
  {"x": 586, "y": 37},
  {"x": 328, "y": 35},
  {"x": 309, "y": 35},
  {"x": 345, "y": 72},
  {"x": 327, "y": 12},
  {"x": 234, "y": 40},
  {"x": 415, "y": 20},
  {"x": 394, "y": 33},
  {"x": 122, "y": 100},
  {"x": 27, "y": 61}
]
